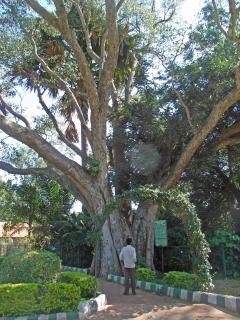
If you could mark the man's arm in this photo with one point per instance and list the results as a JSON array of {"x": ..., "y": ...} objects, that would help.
[
  {"x": 121, "y": 255},
  {"x": 134, "y": 255}
]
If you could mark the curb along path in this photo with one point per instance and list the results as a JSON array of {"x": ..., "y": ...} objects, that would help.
[
  {"x": 147, "y": 306},
  {"x": 223, "y": 301}
]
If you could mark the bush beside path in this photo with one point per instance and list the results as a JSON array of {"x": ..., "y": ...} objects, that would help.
[{"x": 147, "y": 306}]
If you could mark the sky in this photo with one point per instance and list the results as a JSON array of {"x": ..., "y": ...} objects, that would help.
[{"x": 189, "y": 9}]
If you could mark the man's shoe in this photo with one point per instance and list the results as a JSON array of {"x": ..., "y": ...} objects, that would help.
[
  {"x": 125, "y": 293},
  {"x": 134, "y": 293}
]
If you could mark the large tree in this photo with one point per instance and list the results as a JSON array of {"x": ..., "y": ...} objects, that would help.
[{"x": 81, "y": 52}]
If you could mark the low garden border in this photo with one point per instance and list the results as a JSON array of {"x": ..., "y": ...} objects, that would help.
[
  {"x": 230, "y": 303},
  {"x": 86, "y": 308}
]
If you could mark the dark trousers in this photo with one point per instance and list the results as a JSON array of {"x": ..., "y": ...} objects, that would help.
[{"x": 129, "y": 273}]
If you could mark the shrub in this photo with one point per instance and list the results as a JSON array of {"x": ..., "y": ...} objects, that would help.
[
  {"x": 29, "y": 298},
  {"x": 29, "y": 267},
  {"x": 181, "y": 280},
  {"x": 145, "y": 274},
  {"x": 88, "y": 284},
  {"x": 141, "y": 262},
  {"x": 18, "y": 299},
  {"x": 227, "y": 243},
  {"x": 1, "y": 259},
  {"x": 60, "y": 297}
]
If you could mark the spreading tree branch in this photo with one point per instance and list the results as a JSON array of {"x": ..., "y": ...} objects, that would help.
[
  {"x": 50, "y": 172},
  {"x": 28, "y": 171},
  {"x": 227, "y": 142},
  {"x": 46, "y": 15},
  {"x": 186, "y": 108},
  {"x": 233, "y": 24},
  {"x": 119, "y": 4},
  {"x": 50, "y": 154},
  {"x": 90, "y": 51},
  {"x": 230, "y": 136},
  {"x": 62, "y": 16},
  {"x": 218, "y": 20},
  {"x": 110, "y": 63},
  {"x": 54, "y": 121},
  {"x": 81, "y": 194},
  {"x": 233, "y": 20},
  {"x": 231, "y": 131},
  {"x": 66, "y": 88},
  {"x": 61, "y": 25},
  {"x": 166, "y": 19},
  {"x": 217, "y": 111},
  {"x": 103, "y": 51},
  {"x": 14, "y": 113},
  {"x": 130, "y": 78}
]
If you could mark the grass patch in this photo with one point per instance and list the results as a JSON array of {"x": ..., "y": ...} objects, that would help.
[{"x": 227, "y": 286}]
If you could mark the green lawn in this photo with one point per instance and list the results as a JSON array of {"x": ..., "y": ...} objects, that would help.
[{"x": 227, "y": 286}]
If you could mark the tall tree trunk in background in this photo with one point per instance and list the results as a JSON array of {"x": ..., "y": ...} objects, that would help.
[{"x": 143, "y": 231}]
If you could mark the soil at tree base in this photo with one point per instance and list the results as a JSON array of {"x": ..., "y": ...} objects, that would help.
[{"x": 147, "y": 306}]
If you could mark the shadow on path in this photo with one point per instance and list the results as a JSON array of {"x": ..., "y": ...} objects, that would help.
[{"x": 147, "y": 306}]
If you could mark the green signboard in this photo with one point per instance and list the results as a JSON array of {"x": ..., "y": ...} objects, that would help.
[{"x": 160, "y": 232}]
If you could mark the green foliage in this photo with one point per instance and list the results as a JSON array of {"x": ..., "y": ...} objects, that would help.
[
  {"x": 177, "y": 255},
  {"x": 230, "y": 243},
  {"x": 181, "y": 280},
  {"x": 145, "y": 274},
  {"x": 141, "y": 262},
  {"x": 19, "y": 299},
  {"x": 229, "y": 239},
  {"x": 1, "y": 259},
  {"x": 60, "y": 297},
  {"x": 88, "y": 284},
  {"x": 199, "y": 247},
  {"x": 92, "y": 166},
  {"x": 28, "y": 267},
  {"x": 31, "y": 298},
  {"x": 39, "y": 202}
]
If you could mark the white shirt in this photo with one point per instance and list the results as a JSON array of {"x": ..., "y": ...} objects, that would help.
[{"x": 128, "y": 256}]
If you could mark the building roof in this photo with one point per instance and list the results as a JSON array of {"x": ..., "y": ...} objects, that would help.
[{"x": 18, "y": 231}]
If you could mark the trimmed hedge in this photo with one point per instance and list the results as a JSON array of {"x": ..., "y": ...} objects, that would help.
[
  {"x": 18, "y": 299},
  {"x": 88, "y": 284},
  {"x": 61, "y": 297},
  {"x": 145, "y": 274},
  {"x": 1, "y": 259},
  {"x": 30, "y": 298},
  {"x": 30, "y": 267},
  {"x": 181, "y": 280}
]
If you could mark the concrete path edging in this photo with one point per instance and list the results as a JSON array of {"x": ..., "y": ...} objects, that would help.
[
  {"x": 75, "y": 269},
  {"x": 230, "y": 303}
]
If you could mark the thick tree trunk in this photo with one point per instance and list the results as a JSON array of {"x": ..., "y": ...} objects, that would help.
[
  {"x": 143, "y": 231},
  {"x": 113, "y": 235}
]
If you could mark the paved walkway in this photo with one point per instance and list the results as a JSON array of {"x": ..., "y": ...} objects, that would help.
[{"x": 147, "y": 306}]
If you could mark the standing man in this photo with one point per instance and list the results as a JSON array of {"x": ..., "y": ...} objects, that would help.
[{"x": 128, "y": 257}]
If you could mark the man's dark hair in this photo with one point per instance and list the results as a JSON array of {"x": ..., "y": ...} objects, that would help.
[{"x": 129, "y": 241}]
